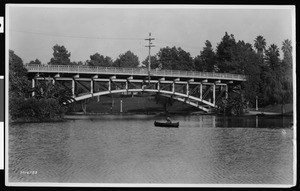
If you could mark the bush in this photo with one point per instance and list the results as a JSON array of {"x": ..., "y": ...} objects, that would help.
[
  {"x": 233, "y": 105},
  {"x": 36, "y": 110}
]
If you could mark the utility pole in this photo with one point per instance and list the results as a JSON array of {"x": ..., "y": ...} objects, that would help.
[{"x": 150, "y": 45}]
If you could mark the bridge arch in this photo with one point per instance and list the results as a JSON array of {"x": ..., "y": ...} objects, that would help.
[{"x": 190, "y": 100}]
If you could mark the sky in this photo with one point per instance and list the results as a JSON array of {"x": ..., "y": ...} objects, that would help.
[{"x": 112, "y": 30}]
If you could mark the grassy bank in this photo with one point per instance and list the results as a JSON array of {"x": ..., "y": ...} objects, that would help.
[{"x": 275, "y": 109}]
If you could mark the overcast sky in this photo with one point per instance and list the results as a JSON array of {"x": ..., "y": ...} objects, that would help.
[{"x": 111, "y": 31}]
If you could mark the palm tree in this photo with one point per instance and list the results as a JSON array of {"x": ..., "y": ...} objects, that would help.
[
  {"x": 287, "y": 65},
  {"x": 272, "y": 57},
  {"x": 287, "y": 46},
  {"x": 260, "y": 44},
  {"x": 287, "y": 52},
  {"x": 274, "y": 49}
]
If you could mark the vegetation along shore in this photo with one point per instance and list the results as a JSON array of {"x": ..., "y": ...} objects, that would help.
[{"x": 269, "y": 81}]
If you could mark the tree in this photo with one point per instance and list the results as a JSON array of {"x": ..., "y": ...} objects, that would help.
[
  {"x": 47, "y": 104},
  {"x": 287, "y": 61},
  {"x": 272, "y": 57},
  {"x": 175, "y": 59},
  {"x": 225, "y": 50},
  {"x": 60, "y": 56},
  {"x": 47, "y": 90},
  {"x": 154, "y": 62},
  {"x": 271, "y": 76},
  {"x": 287, "y": 53},
  {"x": 287, "y": 76},
  {"x": 240, "y": 58},
  {"x": 35, "y": 62},
  {"x": 80, "y": 63},
  {"x": 260, "y": 44},
  {"x": 127, "y": 60},
  {"x": 206, "y": 61},
  {"x": 18, "y": 82},
  {"x": 100, "y": 60},
  {"x": 199, "y": 64},
  {"x": 276, "y": 85},
  {"x": 247, "y": 63},
  {"x": 233, "y": 105}
]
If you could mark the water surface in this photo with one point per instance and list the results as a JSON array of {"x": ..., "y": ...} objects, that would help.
[{"x": 129, "y": 149}]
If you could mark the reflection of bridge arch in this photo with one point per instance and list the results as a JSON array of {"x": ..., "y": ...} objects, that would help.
[{"x": 199, "y": 89}]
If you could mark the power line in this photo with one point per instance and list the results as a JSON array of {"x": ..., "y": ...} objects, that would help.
[
  {"x": 104, "y": 38},
  {"x": 71, "y": 36},
  {"x": 169, "y": 42}
]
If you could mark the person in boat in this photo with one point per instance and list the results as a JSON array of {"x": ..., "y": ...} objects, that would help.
[{"x": 168, "y": 120}]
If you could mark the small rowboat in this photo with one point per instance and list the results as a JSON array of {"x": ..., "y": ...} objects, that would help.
[{"x": 166, "y": 124}]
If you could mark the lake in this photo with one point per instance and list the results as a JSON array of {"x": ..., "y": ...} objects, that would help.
[{"x": 205, "y": 149}]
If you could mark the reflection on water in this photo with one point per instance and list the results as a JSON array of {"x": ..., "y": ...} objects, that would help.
[{"x": 129, "y": 149}]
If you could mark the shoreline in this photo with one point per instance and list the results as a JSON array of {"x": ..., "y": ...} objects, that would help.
[
  {"x": 36, "y": 121},
  {"x": 152, "y": 113},
  {"x": 250, "y": 113}
]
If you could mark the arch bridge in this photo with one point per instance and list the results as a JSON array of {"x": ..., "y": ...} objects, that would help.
[{"x": 199, "y": 89}]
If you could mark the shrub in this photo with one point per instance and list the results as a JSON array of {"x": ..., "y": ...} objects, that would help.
[{"x": 37, "y": 110}]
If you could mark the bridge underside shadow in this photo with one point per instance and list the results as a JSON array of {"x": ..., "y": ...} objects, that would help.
[
  {"x": 203, "y": 96},
  {"x": 190, "y": 100}
]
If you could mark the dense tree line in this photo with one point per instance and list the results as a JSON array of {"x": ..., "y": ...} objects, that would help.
[
  {"x": 268, "y": 77},
  {"x": 47, "y": 103}
]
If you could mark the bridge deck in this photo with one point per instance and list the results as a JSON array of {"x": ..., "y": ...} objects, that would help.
[{"x": 135, "y": 72}]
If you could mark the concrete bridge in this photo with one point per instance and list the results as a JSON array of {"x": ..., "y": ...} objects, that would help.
[{"x": 199, "y": 89}]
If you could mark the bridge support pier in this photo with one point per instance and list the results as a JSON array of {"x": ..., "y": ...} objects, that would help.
[
  {"x": 33, "y": 86},
  {"x": 158, "y": 86},
  {"x": 187, "y": 89},
  {"x": 126, "y": 86},
  {"x": 226, "y": 91},
  {"x": 173, "y": 87},
  {"x": 92, "y": 86},
  {"x": 109, "y": 85},
  {"x": 200, "y": 89},
  {"x": 214, "y": 94},
  {"x": 73, "y": 87}
]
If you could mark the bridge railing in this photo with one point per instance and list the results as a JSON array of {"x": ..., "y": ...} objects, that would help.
[{"x": 131, "y": 71}]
